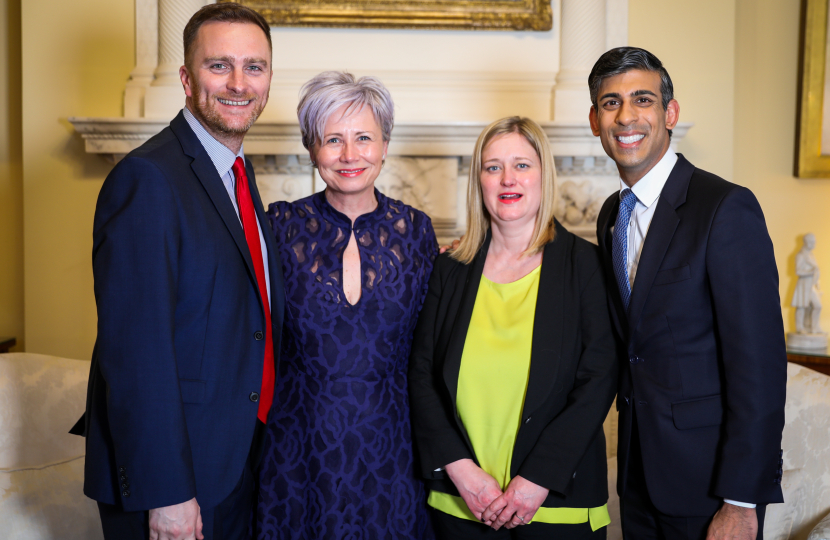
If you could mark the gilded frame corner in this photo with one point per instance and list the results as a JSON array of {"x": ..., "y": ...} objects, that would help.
[
  {"x": 535, "y": 15},
  {"x": 810, "y": 162}
]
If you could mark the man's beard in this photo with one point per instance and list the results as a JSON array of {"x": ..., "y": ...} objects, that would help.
[{"x": 211, "y": 118}]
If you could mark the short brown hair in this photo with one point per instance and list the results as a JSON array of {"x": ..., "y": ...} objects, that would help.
[{"x": 230, "y": 12}]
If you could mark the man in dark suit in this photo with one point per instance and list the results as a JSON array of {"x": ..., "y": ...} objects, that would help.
[
  {"x": 693, "y": 290},
  {"x": 189, "y": 291}
]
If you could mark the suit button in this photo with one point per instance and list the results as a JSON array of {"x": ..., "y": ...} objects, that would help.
[
  {"x": 528, "y": 420},
  {"x": 126, "y": 493},
  {"x": 626, "y": 400},
  {"x": 125, "y": 486},
  {"x": 254, "y": 397},
  {"x": 258, "y": 335},
  {"x": 122, "y": 470},
  {"x": 123, "y": 478},
  {"x": 633, "y": 359}
]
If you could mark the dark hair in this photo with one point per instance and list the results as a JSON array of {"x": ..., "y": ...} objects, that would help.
[
  {"x": 624, "y": 59},
  {"x": 222, "y": 12}
]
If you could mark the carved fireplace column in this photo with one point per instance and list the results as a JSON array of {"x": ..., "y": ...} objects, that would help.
[
  {"x": 583, "y": 41},
  {"x": 146, "y": 57},
  {"x": 165, "y": 96}
]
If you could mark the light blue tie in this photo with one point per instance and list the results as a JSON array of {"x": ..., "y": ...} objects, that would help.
[{"x": 619, "y": 247}]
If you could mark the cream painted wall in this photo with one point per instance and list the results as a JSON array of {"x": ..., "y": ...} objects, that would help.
[
  {"x": 766, "y": 76},
  {"x": 76, "y": 57},
  {"x": 702, "y": 66},
  {"x": 736, "y": 81},
  {"x": 11, "y": 183},
  {"x": 433, "y": 75}
]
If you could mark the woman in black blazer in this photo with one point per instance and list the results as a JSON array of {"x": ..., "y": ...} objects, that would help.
[{"x": 513, "y": 366}]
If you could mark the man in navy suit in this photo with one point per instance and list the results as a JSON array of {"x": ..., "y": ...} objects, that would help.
[
  {"x": 189, "y": 291},
  {"x": 694, "y": 297}
]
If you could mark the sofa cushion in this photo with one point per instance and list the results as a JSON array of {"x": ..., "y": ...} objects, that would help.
[
  {"x": 779, "y": 519},
  {"x": 47, "y": 502},
  {"x": 41, "y": 397},
  {"x": 806, "y": 443},
  {"x": 822, "y": 530}
]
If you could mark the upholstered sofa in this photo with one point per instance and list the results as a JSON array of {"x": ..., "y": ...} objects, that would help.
[
  {"x": 41, "y": 465},
  {"x": 805, "y": 514}
]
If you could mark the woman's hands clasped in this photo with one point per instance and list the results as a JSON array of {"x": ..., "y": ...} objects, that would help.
[
  {"x": 482, "y": 495},
  {"x": 476, "y": 487},
  {"x": 516, "y": 506}
]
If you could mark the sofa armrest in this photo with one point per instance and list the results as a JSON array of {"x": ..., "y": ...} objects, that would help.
[{"x": 822, "y": 530}]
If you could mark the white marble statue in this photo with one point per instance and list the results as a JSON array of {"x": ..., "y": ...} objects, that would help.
[{"x": 807, "y": 300}]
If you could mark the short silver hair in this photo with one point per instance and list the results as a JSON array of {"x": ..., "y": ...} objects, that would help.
[{"x": 329, "y": 91}]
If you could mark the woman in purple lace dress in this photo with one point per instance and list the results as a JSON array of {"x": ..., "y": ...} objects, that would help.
[{"x": 338, "y": 457}]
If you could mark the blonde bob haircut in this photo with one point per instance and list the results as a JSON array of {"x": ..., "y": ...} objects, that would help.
[{"x": 478, "y": 218}]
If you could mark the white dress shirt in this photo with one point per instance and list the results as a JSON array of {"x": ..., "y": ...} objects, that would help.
[
  {"x": 647, "y": 190},
  {"x": 223, "y": 159}
]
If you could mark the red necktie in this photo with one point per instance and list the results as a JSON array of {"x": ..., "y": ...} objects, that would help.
[{"x": 248, "y": 216}]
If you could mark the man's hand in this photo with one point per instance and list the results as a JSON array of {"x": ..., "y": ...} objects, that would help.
[
  {"x": 455, "y": 244},
  {"x": 733, "y": 522},
  {"x": 181, "y": 521},
  {"x": 516, "y": 506},
  {"x": 476, "y": 487}
]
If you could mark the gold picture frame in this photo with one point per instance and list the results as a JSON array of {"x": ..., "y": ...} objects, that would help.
[
  {"x": 533, "y": 15},
  {"x": 813, "y": 122}
]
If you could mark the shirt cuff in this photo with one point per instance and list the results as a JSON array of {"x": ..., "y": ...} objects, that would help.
[{"x": 741, "y": 504}]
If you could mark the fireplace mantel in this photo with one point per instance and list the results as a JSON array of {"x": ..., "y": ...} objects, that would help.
[
  {"x": 115, "y": 137},
  {"x": 427, "y": 165}
]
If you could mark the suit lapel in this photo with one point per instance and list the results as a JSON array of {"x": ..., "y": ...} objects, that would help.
[
  {"x": 205, "y": 171},
  {"x": 659, "y": 236},
  {"x": 548, "y": 321},
  {"x": 455, "y": 347}
]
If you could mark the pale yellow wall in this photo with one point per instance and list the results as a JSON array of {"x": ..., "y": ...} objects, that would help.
[
  {"x": 766, "y": 78},
  {"x": 432, "y": 75},
  {"x": 695, "y": 40},
  {"x": 11, "y": 183},
  {"x": 734, "y": 64},
  {"x": 76, "y": 57}
]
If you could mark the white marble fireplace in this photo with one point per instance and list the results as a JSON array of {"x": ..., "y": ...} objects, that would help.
[{"x": 440, "y": 110}]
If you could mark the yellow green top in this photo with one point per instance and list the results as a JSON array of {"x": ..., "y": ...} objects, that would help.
[{"x": 492, "y": 383}]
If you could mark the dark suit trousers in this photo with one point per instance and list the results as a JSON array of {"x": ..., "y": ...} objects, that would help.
[
  {"x": 229, "y": 520},
  {"x": 642, "y": 521}
]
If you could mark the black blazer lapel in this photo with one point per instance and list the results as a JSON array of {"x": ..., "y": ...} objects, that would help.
[
  {"x": 547, "y": 324},
  {"x": 659, "y": 236},
  {"x": 205, "y": 171},
  {"x": 455, "y": 346}
]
